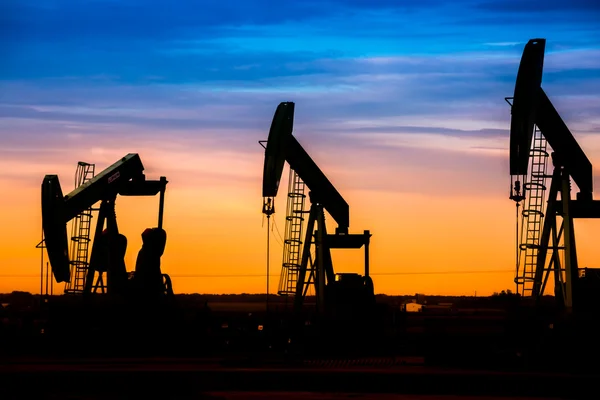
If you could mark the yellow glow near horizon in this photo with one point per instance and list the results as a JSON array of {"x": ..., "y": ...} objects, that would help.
[{"x": 435, "y": 230}]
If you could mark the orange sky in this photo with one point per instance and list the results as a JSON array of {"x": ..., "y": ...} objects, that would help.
[
  {"x": 424, "y": 218},
  {"x": 410, "y": 125}
]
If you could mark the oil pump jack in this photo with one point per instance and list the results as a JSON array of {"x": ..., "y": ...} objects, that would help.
[
  {"x": 336, "y": 294},
  {"x": 534, "y": 119},
  {"x": 126, "y": 178}
]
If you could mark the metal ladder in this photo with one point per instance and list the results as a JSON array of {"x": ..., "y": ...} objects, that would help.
[
  {"x": 292, "y": 247},
  {"x": 532, "y": 215},
  {"x": 80, "y": 235}
]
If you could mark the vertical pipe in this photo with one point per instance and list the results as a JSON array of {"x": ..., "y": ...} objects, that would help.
[
  {"x": 570, "y": 257},
  {"x": 320, "y": 262},
  {"x": 161, "y": 204},
  {"x": 522, "y": 292},
  {"x": 268, "y": 259},
  {"x": 42, "y": 265},
  {"x": 46, "y": 279},
  {"x": 367, "y": 241}
]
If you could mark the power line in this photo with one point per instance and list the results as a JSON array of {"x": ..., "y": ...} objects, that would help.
[
  {"x": 489, "y": 271},
  {"x": 374, "y": 274},
  {"x": 275, "y": 275}
]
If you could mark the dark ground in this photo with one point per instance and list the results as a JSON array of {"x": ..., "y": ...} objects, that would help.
[
  {"x": 187, "y": 379},
  {"x": 233, "y": 350}
]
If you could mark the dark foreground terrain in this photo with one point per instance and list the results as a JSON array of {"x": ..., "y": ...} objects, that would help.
[
  {"x": 66, "y": 349},
  {"x": 205, "y": 379}
]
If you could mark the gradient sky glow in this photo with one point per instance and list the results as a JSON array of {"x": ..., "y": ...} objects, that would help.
[{"x": 402, "y": 106}]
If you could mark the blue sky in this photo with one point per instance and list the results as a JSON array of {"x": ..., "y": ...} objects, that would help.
[{"x": 400, "y": 79}]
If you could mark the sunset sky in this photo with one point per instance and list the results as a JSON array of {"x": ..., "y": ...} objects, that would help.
[{"x": 402, "y": 106}]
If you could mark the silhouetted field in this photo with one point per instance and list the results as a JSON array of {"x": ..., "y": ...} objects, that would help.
[
  {"x": 498, "y": 301},
  {"x": 494, "y": 332},
  {"x": 224, "y": 395},
  {"x": 206, "y": 346},
  {"x": 163, "y": 379}
]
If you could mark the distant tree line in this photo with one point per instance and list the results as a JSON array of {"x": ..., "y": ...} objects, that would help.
[{"x": 504, "y": 297}]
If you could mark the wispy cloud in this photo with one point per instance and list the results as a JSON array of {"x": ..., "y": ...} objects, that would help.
[
  {"x": 532, "y": 6},
  {"x": 379, "y": 78}
]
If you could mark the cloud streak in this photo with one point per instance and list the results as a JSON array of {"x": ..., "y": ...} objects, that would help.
[{"x": 438, "y": 104}]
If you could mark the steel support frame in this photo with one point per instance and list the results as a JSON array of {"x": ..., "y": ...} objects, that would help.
[
  {"x": 321, "y": 271},
  {"x": 565, "y": 277}
]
